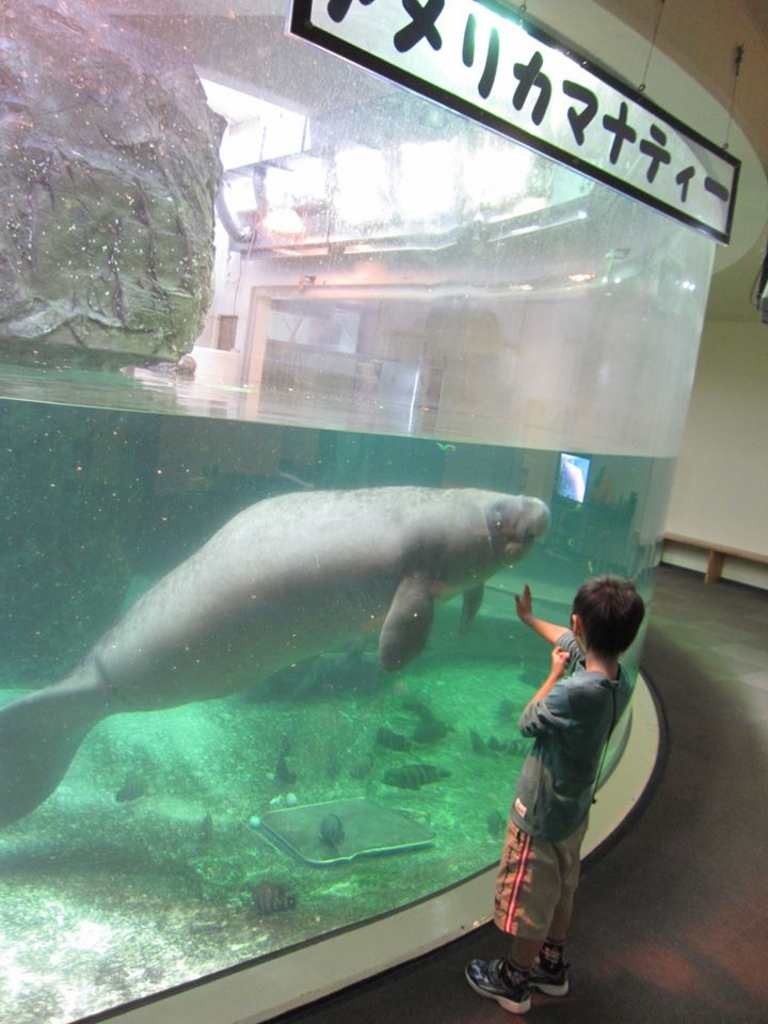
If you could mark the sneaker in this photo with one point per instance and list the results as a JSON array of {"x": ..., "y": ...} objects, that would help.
[
  {"x": 550, "y": 983},
  {"x": 486, "y": 978}
]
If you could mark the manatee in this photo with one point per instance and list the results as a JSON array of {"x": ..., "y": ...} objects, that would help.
[{"x": 283, "y": 580}]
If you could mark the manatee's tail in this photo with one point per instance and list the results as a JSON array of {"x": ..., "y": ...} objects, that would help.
[{"x": 39, "y": 736}]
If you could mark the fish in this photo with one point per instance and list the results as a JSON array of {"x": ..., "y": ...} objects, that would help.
[
  {"x": 497, "y": 745},
  {"x": 476, "y": 742},
  {"x": 507, "y": 710},
  {"x": 392, "y": 740},
  {"x": 270, "y": 897},
  {"x": 517, "y": 748},
  {"x": 430, "y": 728},
  {"x": 134, "y": 787},
  {"x": 332, "y": 764},
  {"x": 414, "y": 776},
  {"x": 331, "y": 832},
  {"x": 283, "y": 773},
  {"x": 418, "y": 707},
  {"x": 362, "y": 767},
  {"x": 205, "y": 829}
]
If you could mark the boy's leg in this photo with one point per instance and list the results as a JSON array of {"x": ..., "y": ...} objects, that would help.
[
  {"x": 568, "y": 853},
  {"x": 550, "y": 972},
  {"x": 527, "y": 886}
]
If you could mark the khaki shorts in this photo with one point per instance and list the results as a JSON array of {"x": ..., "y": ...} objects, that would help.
[{"x": 535, "y": 878}]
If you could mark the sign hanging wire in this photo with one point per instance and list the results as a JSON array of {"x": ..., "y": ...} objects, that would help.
[
  {"x": 641, "y": 87},
  {"x": 738, "y": 58}
]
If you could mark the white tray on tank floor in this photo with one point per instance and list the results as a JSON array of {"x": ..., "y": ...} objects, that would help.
[{"x": 366, "y": 830}]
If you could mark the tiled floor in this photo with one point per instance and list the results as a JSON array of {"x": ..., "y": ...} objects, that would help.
[{"x": 672, "y": 921}]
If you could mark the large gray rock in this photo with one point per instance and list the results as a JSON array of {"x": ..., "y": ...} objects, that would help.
[{"x": 108, "y": 175}]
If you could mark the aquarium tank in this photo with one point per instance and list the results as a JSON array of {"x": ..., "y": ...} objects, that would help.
[{"x": 244, "y": 277}]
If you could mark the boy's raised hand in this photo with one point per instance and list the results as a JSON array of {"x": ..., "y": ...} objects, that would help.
[{"x": 524, "y": 604}]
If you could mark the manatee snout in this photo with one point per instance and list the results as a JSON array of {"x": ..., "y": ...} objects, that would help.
[{"x": 515, "y": 523}]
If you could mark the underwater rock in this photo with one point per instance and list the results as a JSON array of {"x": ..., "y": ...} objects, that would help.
[
  {"x": 392, "y": 740},
  {"x": 354, "y": 671},
  {"x": 295, "y": 682},
  {"x": 182, "y": 370},
  {"x": 107, "y": 184},
  {"x": 284, "y": 800},
  {"x": 413, "y": 776},
  {"x": 331, "y": 832},
  {"x": 272, "y": 898}
]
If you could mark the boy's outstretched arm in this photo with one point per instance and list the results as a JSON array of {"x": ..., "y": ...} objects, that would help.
[{"x": 549, "y": 630}]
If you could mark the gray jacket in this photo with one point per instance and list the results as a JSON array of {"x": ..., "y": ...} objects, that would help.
[{"x": 571, "y": 726}]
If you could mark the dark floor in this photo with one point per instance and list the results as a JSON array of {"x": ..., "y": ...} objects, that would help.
[{"x": 672, "y": 921}]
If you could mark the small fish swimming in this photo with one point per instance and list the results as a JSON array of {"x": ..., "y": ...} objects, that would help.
[
  {"x": 418, "y": 707},
  {"x": 331, "y": 833},
  {"x": 283, "y": 773},
  {"x": 476, "y": 742},
  {"x": 414, "y": 776},
  {"x": 494, "y": 743},
  {"x": 430, "y": 728},
  {"x": 362, "y": 767},
  {"x": 271, "y": 898},
  {"x": 392, "y": 740},
  {"x": 134, "y": 787},
  {"x": 518, "y": 748},
  {"x": 507, "y": 709},
  {"x": 205, "y": 829}
]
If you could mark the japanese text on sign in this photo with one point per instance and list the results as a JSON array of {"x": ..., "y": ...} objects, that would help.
[{"x": 489, "y": 67}]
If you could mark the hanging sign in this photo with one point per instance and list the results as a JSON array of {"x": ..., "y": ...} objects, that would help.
[{"x": 487, "y": 65}]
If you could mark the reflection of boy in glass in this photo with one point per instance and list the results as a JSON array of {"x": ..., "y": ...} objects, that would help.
[{"x": 571, "y": 718}]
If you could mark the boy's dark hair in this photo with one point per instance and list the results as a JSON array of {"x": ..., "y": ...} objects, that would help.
[{"x": 611, "y": 611}]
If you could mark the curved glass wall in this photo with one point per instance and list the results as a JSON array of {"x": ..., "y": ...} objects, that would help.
[{"x": 400, "y": 298}]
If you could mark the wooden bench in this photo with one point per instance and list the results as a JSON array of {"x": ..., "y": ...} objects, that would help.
[{"x": 716, "y": 554}]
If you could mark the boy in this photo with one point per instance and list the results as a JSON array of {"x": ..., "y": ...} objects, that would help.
[{"x": 571, "y": 718}]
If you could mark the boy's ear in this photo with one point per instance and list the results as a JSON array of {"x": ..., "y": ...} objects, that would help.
[{"x": 577, "y": 627}]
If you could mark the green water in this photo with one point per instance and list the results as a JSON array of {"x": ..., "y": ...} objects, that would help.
[{"x": 139, "y": 872}]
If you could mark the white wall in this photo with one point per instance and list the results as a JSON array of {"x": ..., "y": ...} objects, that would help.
[{"x": 720, "y": 491}]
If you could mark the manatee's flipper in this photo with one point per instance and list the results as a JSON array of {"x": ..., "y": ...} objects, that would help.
[
  {"x": 406, "y": 627},
  {"x": 472, "y": 600},
  {"x": 39, "y": 736}
]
